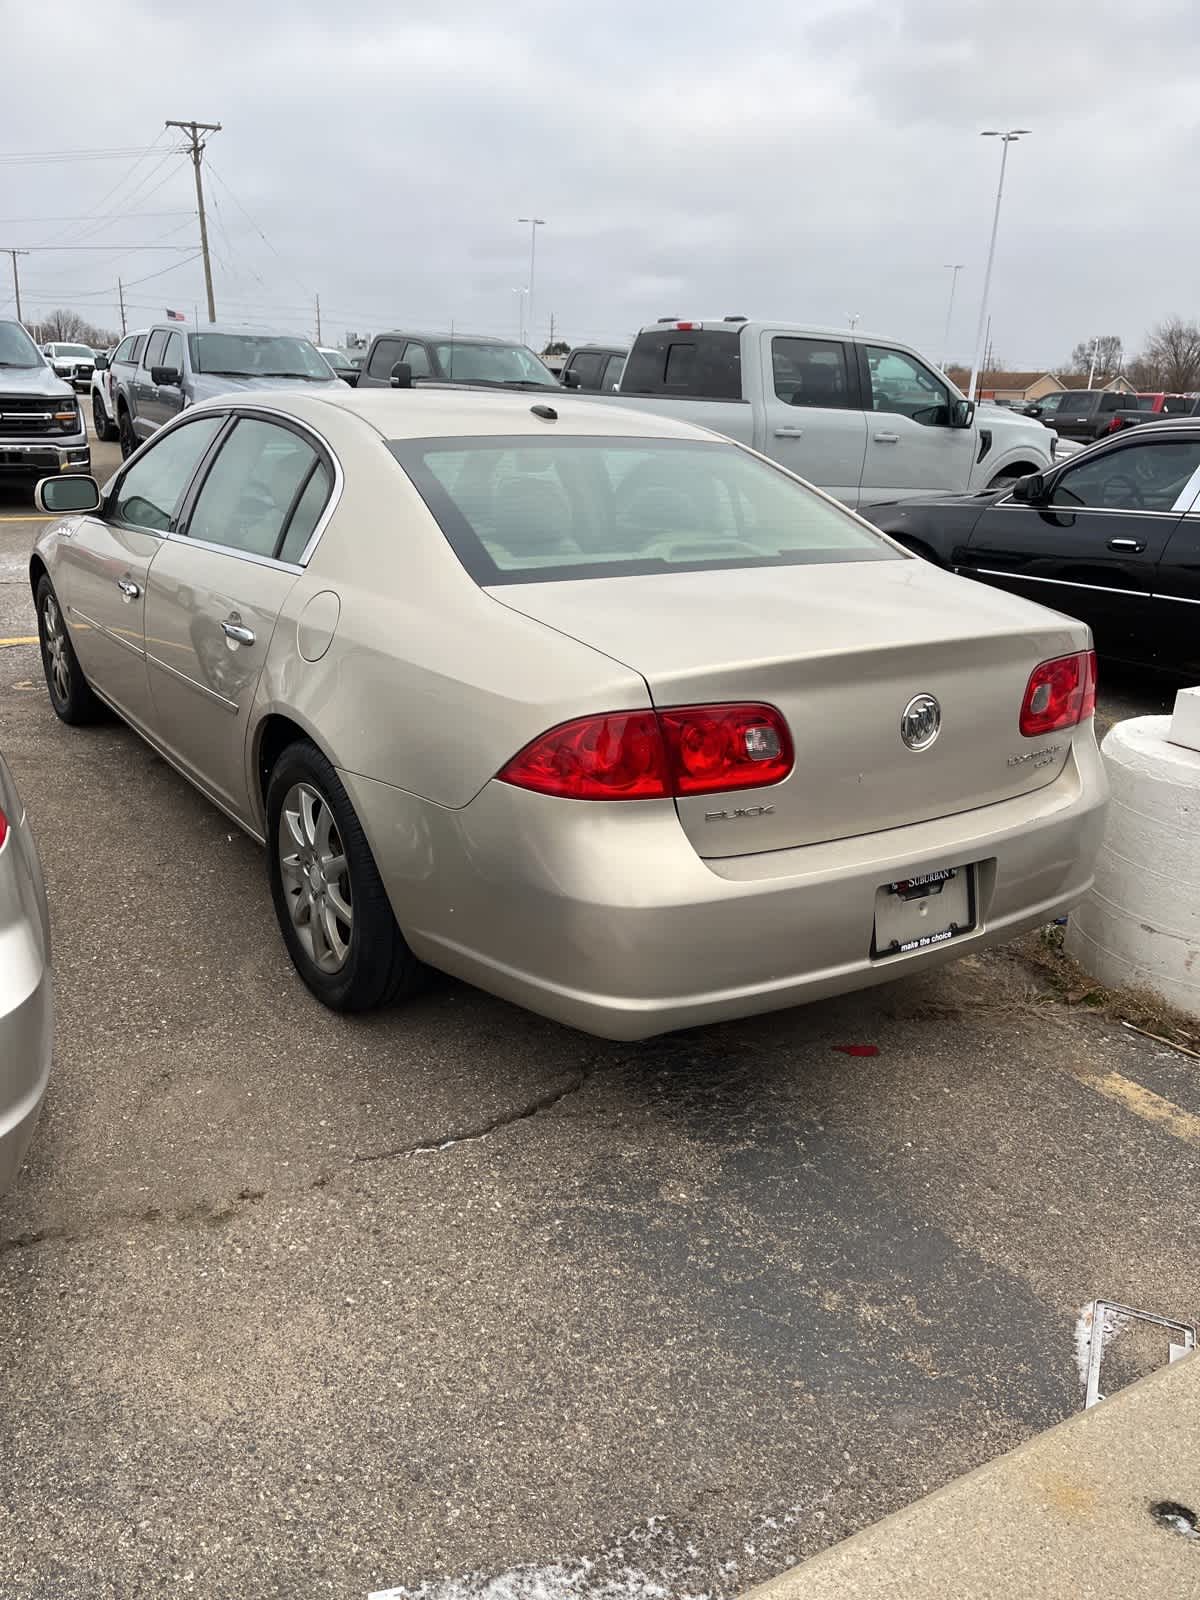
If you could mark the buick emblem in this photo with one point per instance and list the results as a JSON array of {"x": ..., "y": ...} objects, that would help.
[{"x": 921, "y": 722}]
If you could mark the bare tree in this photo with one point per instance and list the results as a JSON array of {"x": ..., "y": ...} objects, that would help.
[
  {"x": 68, "y": 327},
  {"x": 1172, "y": 353},
  {"x": 1107, "y": 350}
]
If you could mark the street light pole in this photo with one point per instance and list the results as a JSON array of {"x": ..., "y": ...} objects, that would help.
[
  {"x": 954, "y": 268},
  {"x": 534, "y": 224},
  {"x": 521, "y": 292},
  {"x": 1006, "y": 138}
]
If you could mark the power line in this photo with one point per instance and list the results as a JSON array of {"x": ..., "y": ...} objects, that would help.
[
  {"x": 7, "y": 222},
  {"x": 33, "y": 158}
]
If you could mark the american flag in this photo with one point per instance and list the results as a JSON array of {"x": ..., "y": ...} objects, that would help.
[{"x": 175, "y": 316}]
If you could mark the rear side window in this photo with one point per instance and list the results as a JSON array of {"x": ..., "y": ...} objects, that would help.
[
  {"x": 124, "y": 351},
  {"x": 811, "y": 372},
  {"x": 154, "y": 350},
  {"x": 384, "y": 357},
  {"x": 612, "y": 373},
  {"x": 259, "y": 475},
  {"x": 697, "y": 364},
  {"x": 526, "y": 510},
  {"x": 307, "y": 514}
]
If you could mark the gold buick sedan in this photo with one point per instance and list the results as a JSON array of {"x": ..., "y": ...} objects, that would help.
[{"x": 597, "y": 710}]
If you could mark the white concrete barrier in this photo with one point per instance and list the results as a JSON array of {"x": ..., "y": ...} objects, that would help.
[{"x": 1141, "y": 922}]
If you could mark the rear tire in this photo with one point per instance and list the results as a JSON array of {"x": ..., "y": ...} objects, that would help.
[
  {"x": 70, "y": 693},
  {"x": 332, "y": 908},
  {"x": 105, "y": 429}
]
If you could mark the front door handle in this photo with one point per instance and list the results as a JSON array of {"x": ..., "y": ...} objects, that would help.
[
  {"x": 789, "y": 433},
  {"x": 1136, "y": 545},
  {"x": 129, "y": 589},
  {"x": 887, "y": 438},
  {"x": 238, "y": 633}
]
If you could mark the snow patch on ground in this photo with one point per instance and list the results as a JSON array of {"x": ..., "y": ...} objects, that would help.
[{"x": 651, "y": 1562}]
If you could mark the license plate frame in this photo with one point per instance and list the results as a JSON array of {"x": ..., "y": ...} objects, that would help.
[{"x": 913, "y": 922}]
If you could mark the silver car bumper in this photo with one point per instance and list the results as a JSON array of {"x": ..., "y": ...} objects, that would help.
[
  {"x": 26, "y": 997},
  {"x": 604, "y": 917},
  {"x": 47, "y": 456}
]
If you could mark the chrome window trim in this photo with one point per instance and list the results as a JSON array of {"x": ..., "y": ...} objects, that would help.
[
  {"x": 230, "y": 550},
  {"x": 1091, "y": 511},
  {"x": 193, "y": 683}
]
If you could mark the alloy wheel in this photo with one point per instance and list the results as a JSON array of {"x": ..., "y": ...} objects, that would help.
[
  {"x": 54, "y": 639},
  {"x": 316, "y": 877}
]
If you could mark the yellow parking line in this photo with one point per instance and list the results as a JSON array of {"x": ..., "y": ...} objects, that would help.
[
  {"x": 7, "y": 644},
  {"x": 34, "y": 516},
  {"x": 1144, "y": 1103}
]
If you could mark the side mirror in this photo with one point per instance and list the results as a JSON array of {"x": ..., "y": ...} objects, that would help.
[
  {"x": 351, "y": 376},
  {"x": 962, "y": 413},
  {"x": 62, "y": 496},
  {"x": 402, "y": 375},
  {"x": 101, "y": 363},
  {"x": 571, "y": 379},
  {"x": 1031, "y": 490},
  {"x": 166, "y": 377}
]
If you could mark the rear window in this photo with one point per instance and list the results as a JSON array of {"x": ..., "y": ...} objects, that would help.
[
  {"x": 517, "y": 510},
  {"x": 696, "y": 364}
]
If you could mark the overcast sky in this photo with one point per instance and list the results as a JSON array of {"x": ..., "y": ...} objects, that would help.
[{"x": 803, "y": 159}]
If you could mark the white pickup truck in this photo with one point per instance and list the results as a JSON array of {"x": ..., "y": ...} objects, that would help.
[{"x": 865, "y": 418}]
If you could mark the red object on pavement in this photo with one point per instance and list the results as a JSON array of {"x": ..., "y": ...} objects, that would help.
[{"x": 858, "y": 1049}]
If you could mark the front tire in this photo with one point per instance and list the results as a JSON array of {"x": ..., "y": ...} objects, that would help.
[
  {"x": 332, "y": 908},
  {"x": 70, "y": 693},
  {"x": 104, "y": 428},
  {"x": 129, "y": 439}
]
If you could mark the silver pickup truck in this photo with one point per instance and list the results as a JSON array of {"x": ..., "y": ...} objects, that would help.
[
  {"x": 41, "y": 427},
  {"x": 866, "y": 418}
]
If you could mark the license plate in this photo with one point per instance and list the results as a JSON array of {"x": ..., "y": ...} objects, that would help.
[{"x": 922, "y": 911}]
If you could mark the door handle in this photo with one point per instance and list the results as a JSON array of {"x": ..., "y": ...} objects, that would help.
[
  {"x": 1136, "y": 545},
  {"x": 129, "y": 589},
  {"x": 789, "y": 433},
  {"x": 236, "y": 632},
  {"x": 887, "y": 438}
]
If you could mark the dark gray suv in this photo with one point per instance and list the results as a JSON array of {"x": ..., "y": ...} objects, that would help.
[
  {"x": 455, "y": 358},
  {"x": 172, "y": 367}
]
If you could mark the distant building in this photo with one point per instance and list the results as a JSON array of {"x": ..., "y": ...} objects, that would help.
[{"x": 1026, "y": 386}]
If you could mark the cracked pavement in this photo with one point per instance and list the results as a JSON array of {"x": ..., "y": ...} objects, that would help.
[{"x": 293, "y": 1304}]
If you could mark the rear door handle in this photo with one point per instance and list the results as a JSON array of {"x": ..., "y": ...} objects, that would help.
[
  {"x": 887, "y": 438},
  {"x": 789, "y": 433},
  {"x": 236, "y": 632},
  {"x": 1136, "y": 545},
  {"x": 128, "y": 588}
]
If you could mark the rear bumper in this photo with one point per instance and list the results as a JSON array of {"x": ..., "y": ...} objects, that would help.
[{"x": 603, "y": 916}]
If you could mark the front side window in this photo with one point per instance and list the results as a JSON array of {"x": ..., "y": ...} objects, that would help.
[
  {"x": 811, "y": 372},
  {"x": 904, "y": 386},
  {"x": 384, "y": 356},
  {"x": 526, "y": 510},
  {"x": 257, "y": 478},
  {"x": 1076, "y": 402},
  {"x": 418, "y": 359},
  {"x": 257, "y": 355},
  {"x": 1149, "y": 476},
  {"x": 149, "y": 493},
  {"x": 173, "y": 353},
  {"x": 588, "y": 368},
  {"x": 155, "y": 348},
  {"x": 139, "y": 344}
]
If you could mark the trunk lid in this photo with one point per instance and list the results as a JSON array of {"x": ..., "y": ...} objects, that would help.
[{"x": 840, "y": 650}]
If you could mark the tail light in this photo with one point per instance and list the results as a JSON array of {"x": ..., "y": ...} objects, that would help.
[
  {"x": 1059, "y": 694},
  {"x": 1115, "y": 425},
  {"x": 656, "y": 755},
  {"x": 3, "y": 828}
]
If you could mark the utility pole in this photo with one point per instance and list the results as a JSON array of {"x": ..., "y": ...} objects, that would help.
[
  {"x": 550, "y": 341},
  {"x": 121, "y": 298},
  {"x": 318, "y": 319},
  {"x": 16, "y": 277},
  {"x": 1091, "y": 370},
  {"x": 194, "y": 130}
]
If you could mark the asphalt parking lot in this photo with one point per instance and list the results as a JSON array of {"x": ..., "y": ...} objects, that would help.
[{"x": 298, "y": 1305}]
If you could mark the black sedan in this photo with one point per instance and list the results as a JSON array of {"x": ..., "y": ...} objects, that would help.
[{"x": 1111, "y": 536}]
